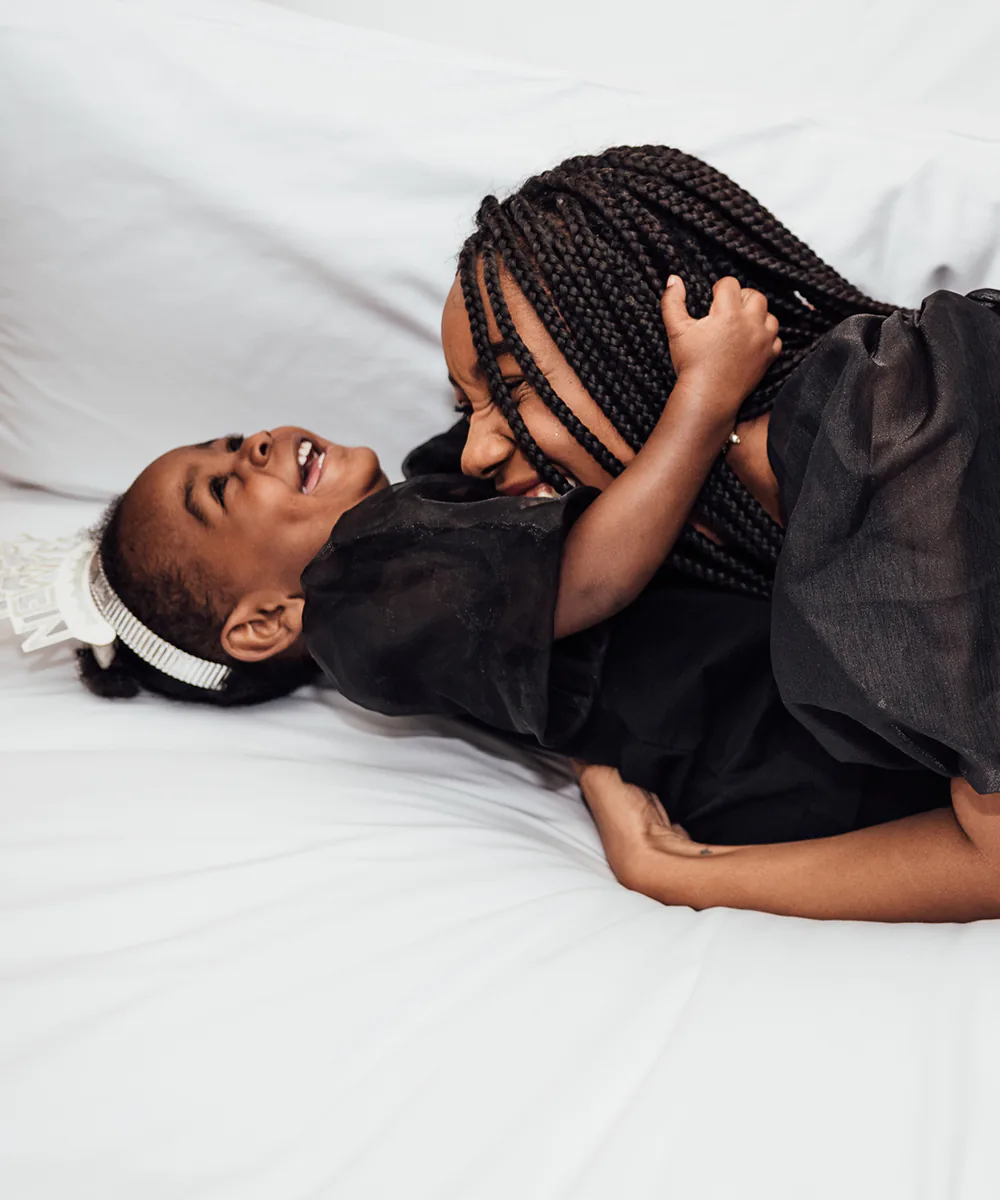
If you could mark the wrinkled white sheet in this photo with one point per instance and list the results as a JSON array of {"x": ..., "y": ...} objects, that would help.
[
  {"x": 304, "y": 952},
  {"x": 219, "y": 215},
  {"x": 932, "y": 62}
]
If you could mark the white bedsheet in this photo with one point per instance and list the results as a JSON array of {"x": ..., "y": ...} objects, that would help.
[{"x": 304, "y": 952}]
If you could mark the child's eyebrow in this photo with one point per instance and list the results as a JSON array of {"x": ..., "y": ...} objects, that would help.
[{"x": 189, "y": 501}]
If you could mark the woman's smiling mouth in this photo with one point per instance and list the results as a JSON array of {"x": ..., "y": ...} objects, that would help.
[{"x": 536, "y": 490}]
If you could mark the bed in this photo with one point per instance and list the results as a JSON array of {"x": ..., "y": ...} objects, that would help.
[{"x": 302, "y": 951}]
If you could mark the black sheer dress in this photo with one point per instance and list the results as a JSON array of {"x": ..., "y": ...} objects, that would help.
[
  {"x": 437, "y": 596},
  {"x": 886, "y": 445}
]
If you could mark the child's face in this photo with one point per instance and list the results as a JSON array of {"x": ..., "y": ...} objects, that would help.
[
  {"x": 250, "y": 513},
  {"x": 490, "y": 449}
]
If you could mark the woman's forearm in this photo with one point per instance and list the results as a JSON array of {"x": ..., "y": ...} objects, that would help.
[
  {"x": 619, "y": 543},
  {"x": 920, "y": 868}
]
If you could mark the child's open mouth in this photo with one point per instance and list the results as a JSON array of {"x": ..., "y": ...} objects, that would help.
[{"x": 311, "y": 461}]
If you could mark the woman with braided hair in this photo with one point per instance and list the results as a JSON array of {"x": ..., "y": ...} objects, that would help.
[
  {"x": 886, "y": 443},
  {"x": 589, "y": 246}
]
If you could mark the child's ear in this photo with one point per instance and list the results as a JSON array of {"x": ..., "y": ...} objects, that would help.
[{"x": 262, "y": 625}]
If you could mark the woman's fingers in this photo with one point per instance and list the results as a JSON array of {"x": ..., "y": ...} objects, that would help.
[
  {"x": 615, "y": 802},
  {"x": 657, "y": 804}
]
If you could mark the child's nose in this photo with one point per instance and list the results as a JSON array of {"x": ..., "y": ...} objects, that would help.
[{"x": 258, "y": 448}]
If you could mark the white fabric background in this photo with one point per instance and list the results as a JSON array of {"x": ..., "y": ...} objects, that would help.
[
  {"x": 225, "y": 216},
  {"x": 933, "y": 61},
  {"x": 302, "y": 952}
]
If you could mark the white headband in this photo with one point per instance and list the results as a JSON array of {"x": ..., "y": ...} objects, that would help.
[{"x": 52, "y": 591}]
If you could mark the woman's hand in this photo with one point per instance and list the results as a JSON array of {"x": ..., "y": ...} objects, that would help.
[
  {"x": 726, "y": 353},
  {"x": 645, "y": 850},
  {"x": 942, "y": 865}
]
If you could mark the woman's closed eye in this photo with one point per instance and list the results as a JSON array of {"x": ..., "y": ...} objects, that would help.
[
  {"x": 518, "y": 387},
  {"x": 234, "y": 442}
]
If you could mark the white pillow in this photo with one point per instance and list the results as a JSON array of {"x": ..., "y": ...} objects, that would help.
[{"x": 219, "y": 215}]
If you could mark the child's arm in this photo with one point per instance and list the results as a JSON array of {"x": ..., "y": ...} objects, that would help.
[{"x": 617, "y": 545}]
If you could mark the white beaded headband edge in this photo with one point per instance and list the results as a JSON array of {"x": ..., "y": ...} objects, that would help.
[
  {"x": 52, "y": 591},
  {"x": 149, "y": 646}
]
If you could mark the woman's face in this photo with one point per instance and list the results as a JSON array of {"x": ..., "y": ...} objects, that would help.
[
  {"x": 249, "y": 512},
  {"x": 490, "y": 450}
]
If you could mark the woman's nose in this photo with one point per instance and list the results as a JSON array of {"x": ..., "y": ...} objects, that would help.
[{"x": 485, "y": 451}]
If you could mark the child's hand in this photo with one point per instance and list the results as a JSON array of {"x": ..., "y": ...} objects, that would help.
[{"x": 727, "y": 352}]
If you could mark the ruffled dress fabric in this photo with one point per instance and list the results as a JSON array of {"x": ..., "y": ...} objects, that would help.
[
  {"x": 886, "y": 609},
  {"x": 437, "y": 597}
]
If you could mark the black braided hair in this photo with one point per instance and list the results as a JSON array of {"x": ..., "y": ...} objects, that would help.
[
  {"x": 178, "y": 609},
  {"x": 591, "y": 244}
]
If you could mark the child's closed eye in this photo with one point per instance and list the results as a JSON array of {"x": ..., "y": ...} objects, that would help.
[{"x": 217, "y": 486}]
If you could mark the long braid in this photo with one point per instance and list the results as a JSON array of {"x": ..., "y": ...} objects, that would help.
[
  {"x": 494, "y": 292},
  {"x": 591, "y": 244},
  {"x": 587, "y": 340},
  {"x": 468, "y": 273},
  {"x": 698, "y": 556}
]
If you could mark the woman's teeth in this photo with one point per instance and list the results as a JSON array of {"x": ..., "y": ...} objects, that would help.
[
  {"x": 542, "y": 491},
  {"x": 305, "y": 447}
]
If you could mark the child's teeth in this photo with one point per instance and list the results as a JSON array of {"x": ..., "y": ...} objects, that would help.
[{"x": 315, "y": 470}]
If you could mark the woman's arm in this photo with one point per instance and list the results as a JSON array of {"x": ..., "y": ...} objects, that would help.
[
  {"x": 938, "y": 866},
  {"x": 617, "y": 545}
]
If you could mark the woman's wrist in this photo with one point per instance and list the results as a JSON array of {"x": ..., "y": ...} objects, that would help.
[
  {"x": 672, "y": 879},
  {"x": 677, "y": 871}
]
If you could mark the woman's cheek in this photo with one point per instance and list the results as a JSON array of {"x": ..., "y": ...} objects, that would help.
[{"x": 554, "y": 441}]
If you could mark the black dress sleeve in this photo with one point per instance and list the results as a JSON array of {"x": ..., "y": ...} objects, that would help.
[
  {"x": 886, "y": 612},
  {"x": 437, "y": 597}
]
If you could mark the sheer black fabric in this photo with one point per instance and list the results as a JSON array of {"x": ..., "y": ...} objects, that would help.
[
  {"x": 437, "y": 597},
  {"x": 688, "y": 708},
  {"x": 886, "y": 610}
]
